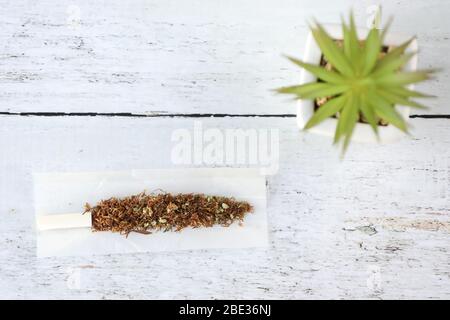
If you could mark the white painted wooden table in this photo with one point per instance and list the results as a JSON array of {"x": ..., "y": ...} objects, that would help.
[{"x": 375, "y": 225}]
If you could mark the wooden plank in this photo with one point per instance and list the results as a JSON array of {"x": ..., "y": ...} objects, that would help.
[
  {"x": 169, "y": 57},
  {"x": 375, "y": 225}
]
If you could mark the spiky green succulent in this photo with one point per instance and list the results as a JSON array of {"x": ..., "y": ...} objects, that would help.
[{"x": 363, "y": 81}]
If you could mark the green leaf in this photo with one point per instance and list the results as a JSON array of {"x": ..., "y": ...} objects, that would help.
[
  {"x": 382, "y": 69},
  {"x": 402, "y": 78},
  {"x": 328, "y": 90},
  {"x": 354, "y": 33},
  {"x": 329, "y": 109},
  {"x": 399, "y": 100},
  {"x": 314, "y": 90},
  {"x": 371, "y": 50},
  {"x": 351, "y": 41},
  {"x": 387, "y": 112},
  {"x": 386, "y": 29},
  {"x": 340, "y": 129},
  {"x": 331, "y": 51},
  {"x": 300, "y": 89},
  {"x": 320, "y": 72},
  {"x": 347, "y": 40},
  {"x": 349, "y": 117},
  {"x": 346, "y": 117},
  {"x": 394, "y": 53},
  {"x": 405, "y": 92},
  {"x": 369, "y": 114}
]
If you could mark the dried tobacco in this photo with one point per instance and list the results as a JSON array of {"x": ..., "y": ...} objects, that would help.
[{"x": 144, "y": 213}]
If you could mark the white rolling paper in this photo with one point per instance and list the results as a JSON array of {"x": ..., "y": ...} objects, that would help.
[
  {"x": 67, "y": 193},
  {"x": 63, "y": 221}
]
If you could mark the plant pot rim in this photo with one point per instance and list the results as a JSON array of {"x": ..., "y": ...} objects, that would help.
[{"x": 362, "y": 132}]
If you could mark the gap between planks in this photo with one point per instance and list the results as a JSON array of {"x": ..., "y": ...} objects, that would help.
[{"x": 177, "y": 115}]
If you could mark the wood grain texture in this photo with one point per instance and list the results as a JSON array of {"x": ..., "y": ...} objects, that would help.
[
  {"x": 375, "y": 225},
  {"x": 196, "y": 56}
]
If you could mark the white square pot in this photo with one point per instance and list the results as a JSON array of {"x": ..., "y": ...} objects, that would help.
[{"x": 362, "y": 132}]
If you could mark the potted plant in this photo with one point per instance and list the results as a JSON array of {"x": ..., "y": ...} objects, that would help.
[{"x": 357, "y": 84}]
